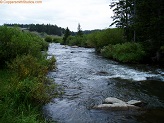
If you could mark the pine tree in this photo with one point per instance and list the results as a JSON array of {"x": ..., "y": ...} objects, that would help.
[
  {"x": 66, "y": 35},
  {"x": 124, "y": 16},
  {"x": 79, "y": 31}
]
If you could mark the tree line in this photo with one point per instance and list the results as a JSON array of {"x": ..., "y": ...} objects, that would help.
[
  {"x": 138, "y": 36},
  {"x": 47, "y": 28},
  {"x": 143, "y": 22},
  {"x": 41, "y": 28}
]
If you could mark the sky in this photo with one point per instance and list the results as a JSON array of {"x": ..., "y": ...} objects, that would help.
[{"x": 91, "y": 14}]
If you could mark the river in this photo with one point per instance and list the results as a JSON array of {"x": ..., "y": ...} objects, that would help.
[{"x": 87, "y": 79}]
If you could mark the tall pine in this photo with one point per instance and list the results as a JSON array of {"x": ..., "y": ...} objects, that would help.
[{"x": 66, "y": 35}]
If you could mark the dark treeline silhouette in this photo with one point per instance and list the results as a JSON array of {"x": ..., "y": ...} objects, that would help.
[{"x": 47, "y": 28}]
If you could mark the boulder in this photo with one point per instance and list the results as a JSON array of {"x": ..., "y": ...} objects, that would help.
[
  {"x": 111, "y": 100},
  {"x": 116, "y": 107},
  {"x": 112, "y": 103}
]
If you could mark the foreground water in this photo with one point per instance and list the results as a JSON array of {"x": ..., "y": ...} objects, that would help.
[{"x": 87, "y": 79}]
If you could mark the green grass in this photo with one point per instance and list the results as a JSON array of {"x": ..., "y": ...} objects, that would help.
[
  {"x": 24, "y": 87},
  {"x": 4, "y": 80},
  {"x": 21, "y": 99},
  {"x": 13, "y": 106}
]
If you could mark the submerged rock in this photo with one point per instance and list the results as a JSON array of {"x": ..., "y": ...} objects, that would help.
[
  {"x": 102, "y": 73},
  {"x": 65, "y": 47},
  {"x": 74, "y": 46},
  {"x": 112, "y": 103}
]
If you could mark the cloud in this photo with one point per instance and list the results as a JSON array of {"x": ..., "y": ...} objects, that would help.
[{"x": 91, "y": 14}]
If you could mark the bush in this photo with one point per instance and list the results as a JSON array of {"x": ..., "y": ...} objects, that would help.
[
  {"x": 21, "y": 66},
  {"x": 14, "y": 42},
  {"x": 108, "y": 51},
  {"x": 48, "y": 39},
  {"x": 24, "y": 85},
  {"x": 57, "y": 40},
  {"x": 25, "y": 89},
  {"x": 30, "y": 80},
  {"x": 105, "y": 37},
  {"x": 127, "y": 52},
  {"x": 77, "y": 40}
]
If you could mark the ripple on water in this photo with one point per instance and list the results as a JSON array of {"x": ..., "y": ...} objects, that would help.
[{"x": 87, "y": 79}]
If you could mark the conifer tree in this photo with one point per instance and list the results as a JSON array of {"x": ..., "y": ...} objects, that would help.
[
  {"x": 66, "y": 35},
  {"x": 79, "y": 31}
]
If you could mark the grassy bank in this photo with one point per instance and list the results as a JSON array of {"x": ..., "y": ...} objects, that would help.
[
  {"x": 113, "y": 44},
  {"x": 24, "y": 87}
]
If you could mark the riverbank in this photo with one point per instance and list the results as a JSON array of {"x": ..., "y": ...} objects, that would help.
[
  {"x": 24, "y": 86},
  {"x": 21, "y": 99},
  {"x": 113, "y": 44}
]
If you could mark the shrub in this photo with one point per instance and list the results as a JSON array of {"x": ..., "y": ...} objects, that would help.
[
  {"x": 71, "y": 40},
  {"x": 25, "y": 87},
  {"x": 128, "y": 52},
  {"x": 14, "y": 42},
  {"x": 77, "y": 40},
  {"x": 29, "y": 66},
  {"x": 48, "y": 39},
  {"x": 105, "y": 37},
  {"x": 107, "y": 51},
  {"x": 57, "y": 40}
]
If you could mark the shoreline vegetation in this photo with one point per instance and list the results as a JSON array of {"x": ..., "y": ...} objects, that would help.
[
  {"x": 112, "y": 44},
  {"x": 24, "y": 87}
]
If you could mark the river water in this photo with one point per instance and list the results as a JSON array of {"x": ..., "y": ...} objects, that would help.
[{"x": 87, "y": 79}]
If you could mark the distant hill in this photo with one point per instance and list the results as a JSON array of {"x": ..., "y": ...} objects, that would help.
[{"x": 48, "y": 28}]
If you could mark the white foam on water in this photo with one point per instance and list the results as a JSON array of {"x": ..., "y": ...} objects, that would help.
[{"x": 119, "y": 71}]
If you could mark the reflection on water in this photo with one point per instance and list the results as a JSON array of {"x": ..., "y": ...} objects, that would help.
[{"x": 87, "y": 79}]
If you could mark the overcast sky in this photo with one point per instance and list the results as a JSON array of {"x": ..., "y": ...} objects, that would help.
[{"x": 91, "y": 14}]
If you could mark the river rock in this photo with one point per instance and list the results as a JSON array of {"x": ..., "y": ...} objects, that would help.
[
  {"x": 112, "y": 100},
  {"x": 112, "y": 103},
  {"x": 117, "y": 106},
  {"x": 74, "y": 46}
]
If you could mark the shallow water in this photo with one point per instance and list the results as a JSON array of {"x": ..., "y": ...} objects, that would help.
[{"x": 87, "y": 79}]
